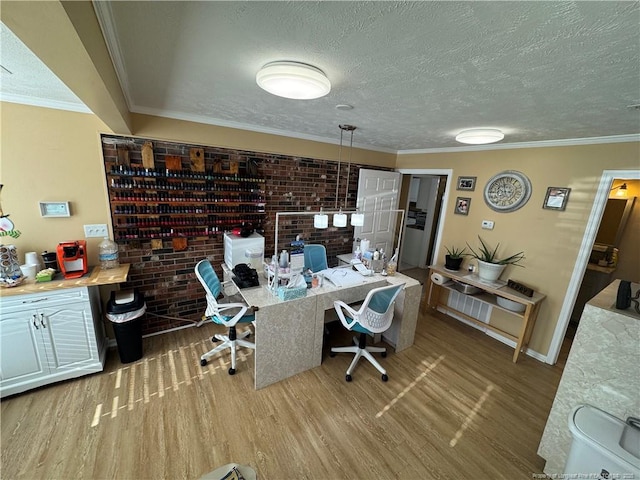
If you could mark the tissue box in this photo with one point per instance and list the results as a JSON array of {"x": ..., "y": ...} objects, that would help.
[{"x": 285, "y": 293}]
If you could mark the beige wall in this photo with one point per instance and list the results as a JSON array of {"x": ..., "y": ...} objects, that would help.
[
  {"x": 550, "y": 239},
  {"x": 51, "y": 155}
]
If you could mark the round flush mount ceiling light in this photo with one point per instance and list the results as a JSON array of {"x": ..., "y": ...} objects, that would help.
[
  {"x": 480, "y": 136},
  {"x": 294, "y": 80}
]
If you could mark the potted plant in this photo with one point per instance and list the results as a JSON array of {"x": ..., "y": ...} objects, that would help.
[
  {"x": 453, "y": 258},
  {"x": 490, "y": 267}
]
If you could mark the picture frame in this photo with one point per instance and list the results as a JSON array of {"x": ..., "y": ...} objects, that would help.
[
  {"x": 466, "y": 183},
  {"x": 556, "y": 198},
  {"x": 462, "y": 206}
]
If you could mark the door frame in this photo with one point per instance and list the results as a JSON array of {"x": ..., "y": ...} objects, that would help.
[
  {"x": 597, "y": 210},
  {"x": 448, "y": 172}
]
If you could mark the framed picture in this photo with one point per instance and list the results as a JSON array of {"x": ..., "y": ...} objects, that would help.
[
  {"x": 467, "y": 183},
  {"x": 462, "y": 206},
  {"x": 556, "y": 198}
]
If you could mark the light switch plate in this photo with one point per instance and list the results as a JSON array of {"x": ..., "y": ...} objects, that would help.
[{"x": 96, "y": 230}]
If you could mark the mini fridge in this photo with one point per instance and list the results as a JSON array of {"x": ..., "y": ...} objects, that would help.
[{"x": 244, "y": 250}]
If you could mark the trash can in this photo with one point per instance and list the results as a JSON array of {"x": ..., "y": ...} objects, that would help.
[
  {"x": 125, "y": 309},
  {"x": 603, "y": 445}
]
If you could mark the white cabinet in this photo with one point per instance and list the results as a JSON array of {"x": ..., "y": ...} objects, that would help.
[{"x": 48, "y": 337}]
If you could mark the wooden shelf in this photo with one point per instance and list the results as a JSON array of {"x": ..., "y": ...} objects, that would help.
[{"x": 487, "y": 295}]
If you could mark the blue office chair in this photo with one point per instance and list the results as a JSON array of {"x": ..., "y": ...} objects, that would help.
[
  {"x": 315, "y": 257},
  {"x": 374, "y": 316},
  {"x": 227, "y": 314}
]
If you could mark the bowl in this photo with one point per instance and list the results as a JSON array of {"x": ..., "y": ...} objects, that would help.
[{"x": 510, "y": 304}]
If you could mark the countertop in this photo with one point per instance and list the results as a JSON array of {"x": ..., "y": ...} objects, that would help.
[
  {"x": 606, "y": 299},
  {"x": 95, "y": 277}
]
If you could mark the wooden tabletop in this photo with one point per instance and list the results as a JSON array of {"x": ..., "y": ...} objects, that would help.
[{"x": 96, "y": 277}]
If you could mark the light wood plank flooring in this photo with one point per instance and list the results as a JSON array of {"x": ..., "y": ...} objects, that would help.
[{"x": 455, "y": 407}]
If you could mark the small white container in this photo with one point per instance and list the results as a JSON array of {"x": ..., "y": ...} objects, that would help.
[{"x": 29, "y": 271}]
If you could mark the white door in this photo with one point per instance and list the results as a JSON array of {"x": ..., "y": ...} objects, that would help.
[{"x": 378, "y": 191}]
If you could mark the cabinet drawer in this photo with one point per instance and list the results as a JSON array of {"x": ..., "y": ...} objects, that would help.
[{"x": 69, "y": 295}]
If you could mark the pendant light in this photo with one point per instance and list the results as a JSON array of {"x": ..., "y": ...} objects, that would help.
[
  {"x": 320, "y": 220},
  {"x": 357, "y": 219},
  {"x": 340, "y": 219}
]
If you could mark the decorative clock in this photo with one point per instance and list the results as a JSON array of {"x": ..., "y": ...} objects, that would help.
[{"x": 507, "y": 191}]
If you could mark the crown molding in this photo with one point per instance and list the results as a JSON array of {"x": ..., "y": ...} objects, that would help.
[
  {"x": 44, "y": 103},
  {"x": 569, "y": 142}
]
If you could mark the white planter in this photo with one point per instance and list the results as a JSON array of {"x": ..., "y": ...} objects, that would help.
[{"x": 490, "y": 271}]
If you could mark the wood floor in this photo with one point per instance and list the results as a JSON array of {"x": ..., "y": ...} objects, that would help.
[{"x": 455, "y": 407}]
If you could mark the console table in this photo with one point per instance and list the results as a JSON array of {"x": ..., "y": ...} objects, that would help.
[{"x": 433, "y": 298}]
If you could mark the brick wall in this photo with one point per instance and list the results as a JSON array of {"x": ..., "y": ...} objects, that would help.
[{"x": 173, "y": 294}]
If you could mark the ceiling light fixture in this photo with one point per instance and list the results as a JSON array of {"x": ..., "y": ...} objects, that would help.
[
  {"x": 295, "y": 80},
  {"x": 480, "y": 136}
]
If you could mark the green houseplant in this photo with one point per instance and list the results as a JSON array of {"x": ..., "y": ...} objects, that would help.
[
  {"x": 490, "y": 266},
  {"x": 453, "y": 258}
]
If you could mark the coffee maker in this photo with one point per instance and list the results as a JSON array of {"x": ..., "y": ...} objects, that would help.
[{"x": 72, "y": 258}]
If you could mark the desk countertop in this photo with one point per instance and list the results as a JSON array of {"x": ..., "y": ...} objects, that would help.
[
  {"x": 96, "y": 277},
  {"x": 262, "y": 297}
]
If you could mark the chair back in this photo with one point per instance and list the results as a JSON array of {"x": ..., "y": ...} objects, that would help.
[
  {"x": 227, "y": 314},
  {"x": 208, "y": 278},
  {"x": 376, "y": 313},
  {"x": 315, "y": 257}
]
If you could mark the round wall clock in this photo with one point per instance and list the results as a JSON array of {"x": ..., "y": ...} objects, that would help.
[{"x": 507, "y": 191}]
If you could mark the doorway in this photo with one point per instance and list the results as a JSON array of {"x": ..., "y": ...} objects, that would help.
[{"x": 580, "y": 267}]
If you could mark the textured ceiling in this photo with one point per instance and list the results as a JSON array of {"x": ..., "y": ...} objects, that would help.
[{"x": 416, "y": 73}]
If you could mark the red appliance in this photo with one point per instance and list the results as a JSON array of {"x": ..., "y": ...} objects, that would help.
[{"x": 72, "y": 258}]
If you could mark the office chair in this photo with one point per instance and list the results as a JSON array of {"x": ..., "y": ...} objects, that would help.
[
  {"x": 227, "y": 314},
  {"x": 315, "y": 257},
  {"x": 374, "y": 316}
]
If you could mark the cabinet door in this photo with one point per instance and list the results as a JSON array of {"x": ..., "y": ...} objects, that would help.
[
  {"x": 66, "y": 334},
  {"x": 22, "y": 353}
]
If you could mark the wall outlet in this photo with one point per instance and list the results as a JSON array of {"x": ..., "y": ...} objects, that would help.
[
  {"x": 487, "y": 224},
  {"x": 96, "y": 230}
]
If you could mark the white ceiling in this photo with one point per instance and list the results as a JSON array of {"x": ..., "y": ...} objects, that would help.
[{"x": 416, "y": 73}]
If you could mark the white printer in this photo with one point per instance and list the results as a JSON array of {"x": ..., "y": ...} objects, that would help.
[{"x": 244, "y": 250}]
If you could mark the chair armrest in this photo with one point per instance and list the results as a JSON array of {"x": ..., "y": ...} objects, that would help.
[
  {"x": 341, "y": 307},
  {"x": 229, "y": 306}
]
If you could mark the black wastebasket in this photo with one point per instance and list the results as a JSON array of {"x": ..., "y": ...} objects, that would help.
[{"x": 125, "y": 309}]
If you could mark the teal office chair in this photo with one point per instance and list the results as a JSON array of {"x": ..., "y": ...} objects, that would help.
[
  {"x": 315, "y": 257},
  {"x": 373, "y": 316},
  {"x": 227, "y": 314}
]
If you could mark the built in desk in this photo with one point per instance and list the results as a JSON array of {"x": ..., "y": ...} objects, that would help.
[
  {"x": 433, "y": 298},
  {"x": 289, "y": 333}
]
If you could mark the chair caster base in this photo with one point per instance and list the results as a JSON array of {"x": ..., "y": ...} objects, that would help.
[
  {"x": 232, "y": 371},
  {"x": 348, "y": 378},
  {"x": 385, "y": 377},
  {"x": 203, "y": 362},
  {"x": 383, "y": 354},
  {"x": 332, "y": 354}
]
